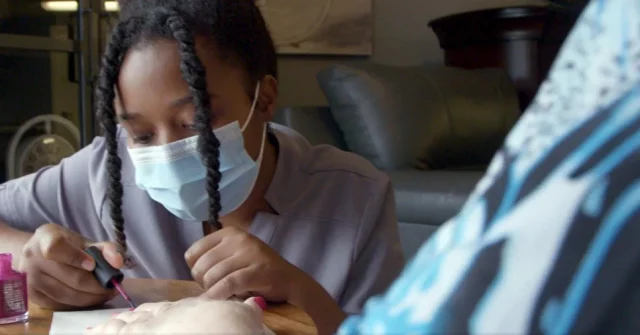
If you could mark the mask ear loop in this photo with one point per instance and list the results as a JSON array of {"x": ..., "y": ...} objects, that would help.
[
  {"x": 264, "y": 129},
  {"x": 253, "y": 107}
]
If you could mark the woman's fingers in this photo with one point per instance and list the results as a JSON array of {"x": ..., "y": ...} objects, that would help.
[
  {"x": 208, "y": 260},
  {"x": 234, "y": 283},
  {"x": 65, "y": 295},
  {"x": 45, "y": 301},
  {"x": 59, "y": 245},
  {"x": 218, "y": 271},
  {"x": 110, "y": 253},
  {"x": 77, "y": 279},
  {"x": 202, "y": 246}
]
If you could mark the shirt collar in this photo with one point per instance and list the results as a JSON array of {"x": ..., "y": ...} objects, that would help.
[{"x": 284, "y": 177}]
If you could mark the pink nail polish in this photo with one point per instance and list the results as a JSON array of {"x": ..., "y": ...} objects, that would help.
[
  {"x": 13, "y": 293},
  {"x": 261, "y": 302}
]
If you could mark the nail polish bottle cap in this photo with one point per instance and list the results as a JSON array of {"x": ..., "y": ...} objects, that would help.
[
  {"x": 5, "y": 264},
  {"x": 104, "y": 272}
]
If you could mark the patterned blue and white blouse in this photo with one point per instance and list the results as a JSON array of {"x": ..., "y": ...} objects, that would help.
[{"x": 549, "y": 241}]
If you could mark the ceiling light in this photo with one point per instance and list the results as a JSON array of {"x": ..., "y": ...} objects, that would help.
[{"x": 72, "y": 6}]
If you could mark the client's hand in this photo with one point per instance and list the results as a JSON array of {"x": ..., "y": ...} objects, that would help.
[{"x": 189, "y": 316}]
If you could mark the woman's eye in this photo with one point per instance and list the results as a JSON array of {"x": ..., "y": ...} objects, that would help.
[
  {"x": 143, "y": 139},
  {"x": 189, "y": 126}
]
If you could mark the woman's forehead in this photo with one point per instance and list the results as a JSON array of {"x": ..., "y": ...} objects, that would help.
[{"x": 154, "y": 68}]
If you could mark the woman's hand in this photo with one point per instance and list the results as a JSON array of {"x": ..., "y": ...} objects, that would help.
[
  {"x": 59, "y": 271},
  {"x": 188, "y": 316},
  {"x": 232, "y": 262}
]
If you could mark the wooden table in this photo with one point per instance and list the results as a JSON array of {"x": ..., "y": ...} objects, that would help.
[{"x": 282, "y": 319}]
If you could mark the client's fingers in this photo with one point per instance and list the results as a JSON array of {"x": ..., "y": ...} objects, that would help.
[
  {"x": 134, "y": 316},
  {"x": 257, "y": 302},
  {"x": 111, "y": 327},
  {"x": 154, "y": 307}
]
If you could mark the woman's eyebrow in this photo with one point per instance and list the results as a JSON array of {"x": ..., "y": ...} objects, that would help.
[
  {"x": 187, "y": 99},
  {"x": 127, "y": 116}
]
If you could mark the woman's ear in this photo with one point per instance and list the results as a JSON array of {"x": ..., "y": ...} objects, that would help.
[{"x": 268, "y": 98}]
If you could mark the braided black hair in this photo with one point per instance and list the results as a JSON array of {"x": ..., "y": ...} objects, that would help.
[{"x": 240, "y": 34}]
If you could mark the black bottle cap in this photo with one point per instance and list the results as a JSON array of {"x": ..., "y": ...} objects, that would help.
[{"x": 104, "y": 272}]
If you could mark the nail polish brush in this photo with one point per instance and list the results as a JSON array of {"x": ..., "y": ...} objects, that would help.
[{"x": 108, "y": 276}]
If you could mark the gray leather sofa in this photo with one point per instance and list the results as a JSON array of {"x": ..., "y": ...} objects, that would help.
[{"x": 432, "y": 129}]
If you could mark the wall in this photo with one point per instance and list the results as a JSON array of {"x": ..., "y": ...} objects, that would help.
[
  {"x": 401, "y": 38},
  {"x": 4, "y": 9}
]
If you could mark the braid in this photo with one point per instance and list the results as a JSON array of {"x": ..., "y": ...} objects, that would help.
[
  {"x": 194, "y": 74},
  {"x": 105, "y": 96}
]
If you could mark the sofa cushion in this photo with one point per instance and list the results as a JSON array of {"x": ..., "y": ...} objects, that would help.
[
  {"x": 433, "y": 197},
  {"x": 430, "y": 117}
]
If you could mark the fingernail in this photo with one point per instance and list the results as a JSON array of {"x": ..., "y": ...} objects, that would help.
[
  {"x": 110, "y": 253},
  {"x": 131, "y": 309},
  {"x": 261, "y": 302},
  {"x": 87, "y": 265}
]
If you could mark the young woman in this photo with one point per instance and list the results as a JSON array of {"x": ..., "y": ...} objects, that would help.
[
  {"x": 548, "y": 243},
  {"x": 189, "y": 167}
]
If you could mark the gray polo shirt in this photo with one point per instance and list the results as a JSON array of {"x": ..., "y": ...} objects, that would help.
[{"x": 336, "y": 216}]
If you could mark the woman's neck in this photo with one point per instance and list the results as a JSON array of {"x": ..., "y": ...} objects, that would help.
[{"x": 256, "y": 202}]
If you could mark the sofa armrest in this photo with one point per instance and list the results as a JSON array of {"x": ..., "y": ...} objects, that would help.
[{"x": 431, "y": 197}]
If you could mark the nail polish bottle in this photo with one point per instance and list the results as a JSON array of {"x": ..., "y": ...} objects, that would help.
[{"x": 13, "y": 293}]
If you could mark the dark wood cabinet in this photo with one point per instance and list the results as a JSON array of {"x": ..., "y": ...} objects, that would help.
[{"x": 522, "y": 40}]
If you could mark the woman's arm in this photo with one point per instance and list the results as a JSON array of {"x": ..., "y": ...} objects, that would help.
[
  {"x": 378, "y": 258},
  {"x": 12, "y": 240},
  {"x": 311, "y": 297},
  {"x": 59, "y": 194}
]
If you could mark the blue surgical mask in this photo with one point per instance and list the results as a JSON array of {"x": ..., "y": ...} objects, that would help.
[{"x": 173, "y": 174}]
